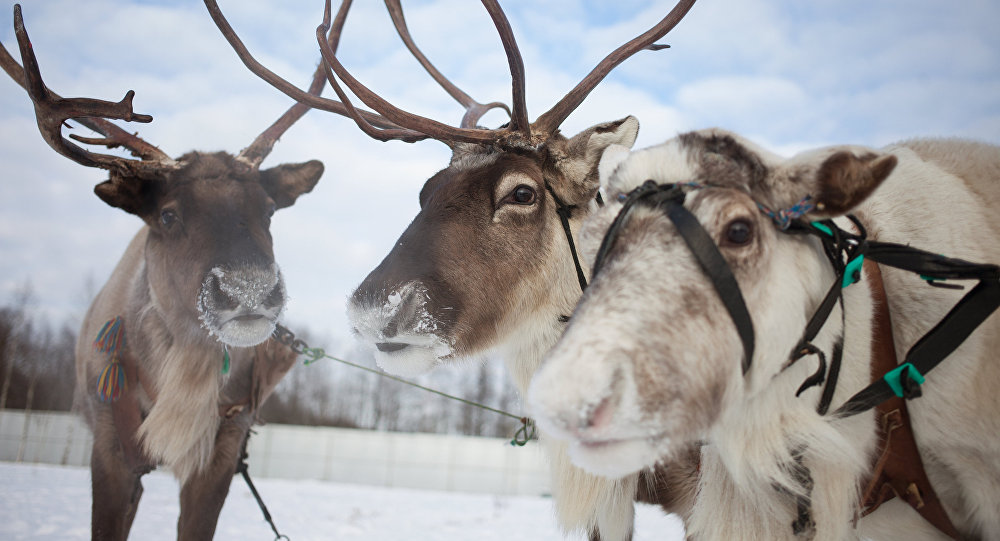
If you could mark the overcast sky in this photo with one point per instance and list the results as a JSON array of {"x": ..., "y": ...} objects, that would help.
[{"x": 787, "y": 73}]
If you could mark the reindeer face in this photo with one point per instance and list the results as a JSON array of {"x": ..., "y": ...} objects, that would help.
[
  {"x": 471, "y": 258},
  {"x": 652, "y": 359},
  {"x": 209, "y": 255},
  {"x": 486, "y": 261}
]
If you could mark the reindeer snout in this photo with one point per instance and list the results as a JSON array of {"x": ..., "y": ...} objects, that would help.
[
  {"x": 247, "y": 290},
  {"x": 578, "y": 404}
]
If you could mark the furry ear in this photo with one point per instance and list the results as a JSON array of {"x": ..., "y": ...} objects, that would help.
[
  {"x": 585, "y": 149},
  {"x": 134, "y": 195},
  {"x": 836, "y": 179},
  {"x": 845, "y": 180},
  {"x": 286, "y": 182},
  {"x": 613, "y": 156}
]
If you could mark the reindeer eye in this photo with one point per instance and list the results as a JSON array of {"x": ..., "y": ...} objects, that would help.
[
  {"x": 739, "y": 233},
  {"x": 168, "y": 217},
  {"x": 522, "y": 195},
  {"x": 271, "y": 207}
]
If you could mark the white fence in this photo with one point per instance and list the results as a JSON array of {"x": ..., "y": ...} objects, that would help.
[{"x": 391, "y": 459}]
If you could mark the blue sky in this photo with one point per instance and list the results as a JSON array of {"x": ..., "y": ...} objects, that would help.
[{"x": 789, "y": 74}]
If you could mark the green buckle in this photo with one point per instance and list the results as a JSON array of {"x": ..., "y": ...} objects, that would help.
[
  {"x": 893, "y": 378},
  {"x": 822, "y": 228},
  {"x": 852, "y": 272}
]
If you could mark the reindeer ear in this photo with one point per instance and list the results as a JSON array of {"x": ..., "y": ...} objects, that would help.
[
  {"x": 845, "y": 179},
  {"x": 585, "y": 149},
  {"x": 286, "y": 182},
  {"x": 134, "y": 195},
  {"x": 613, "y": 156}
]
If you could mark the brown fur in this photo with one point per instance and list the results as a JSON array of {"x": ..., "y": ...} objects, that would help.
[{"x": 178, "y": 409}]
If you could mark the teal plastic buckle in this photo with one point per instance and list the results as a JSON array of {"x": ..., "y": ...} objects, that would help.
[
  {"x": 822, "y": 228},
  {"x": 894, "y": 378},
  {"x": 852, "y": 272}
]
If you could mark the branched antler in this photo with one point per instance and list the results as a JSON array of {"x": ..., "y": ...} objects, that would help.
[
  {"x": 52, "y": 111},
  {"x": 278, "y": 82},
  {"x": 473, "y": 109},
  {"x": 390, "y": 122},
  {"x": 549, "y": 122}
]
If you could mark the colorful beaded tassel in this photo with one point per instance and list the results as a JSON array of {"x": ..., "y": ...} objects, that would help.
[{"x": 111, "y": 341}]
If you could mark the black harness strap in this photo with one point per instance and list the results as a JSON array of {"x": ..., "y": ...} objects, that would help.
[
  {"x": 715, "y": 267},
  {"x": 565, "y": 212},
  {"x": 670, "y": 198},
  {"x": 946, "y": 336},
  {"x": 243, "y": 469}
]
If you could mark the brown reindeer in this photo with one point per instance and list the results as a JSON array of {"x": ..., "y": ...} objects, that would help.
[
  {"x": 173, "y": 358},
  {"x": 487, "y": 264}
]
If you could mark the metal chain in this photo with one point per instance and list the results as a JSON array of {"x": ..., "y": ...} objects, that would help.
[{"x": 525, "y": 433}]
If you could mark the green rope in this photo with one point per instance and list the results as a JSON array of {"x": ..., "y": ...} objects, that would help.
[{"x": 525, "y": 432}]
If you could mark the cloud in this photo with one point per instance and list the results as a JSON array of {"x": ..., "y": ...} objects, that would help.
[{"x": 788, "y": 74}]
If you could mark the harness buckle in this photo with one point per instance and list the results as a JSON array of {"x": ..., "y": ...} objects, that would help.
[
  {"x": 852, "y": 271},
  {"x": 905, "y": 387}
]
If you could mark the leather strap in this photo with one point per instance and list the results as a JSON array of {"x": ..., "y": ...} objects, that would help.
[{"x": 899, "y": 470}]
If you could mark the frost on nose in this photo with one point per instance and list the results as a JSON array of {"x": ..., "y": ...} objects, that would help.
[
  {"x": 408, "y": 339},
  {"x": 250, "y": 288},
  {"x": 240, "y": 306},
  {"x": 399, "y": 315}
]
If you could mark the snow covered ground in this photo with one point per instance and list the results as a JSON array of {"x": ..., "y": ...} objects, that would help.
[{"x": 52, "y": 503}]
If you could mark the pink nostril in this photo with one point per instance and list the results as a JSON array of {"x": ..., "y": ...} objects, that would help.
[{"x": 602, "y": 415}]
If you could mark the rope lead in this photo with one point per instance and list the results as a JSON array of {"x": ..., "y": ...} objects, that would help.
[{"x": 283, "y": 335}]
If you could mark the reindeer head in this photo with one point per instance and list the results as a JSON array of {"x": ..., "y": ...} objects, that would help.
[
  {"x": 486, "y": 258},
  {"x": 208, "y": 252},
  {"x": 652, "y": 357}
]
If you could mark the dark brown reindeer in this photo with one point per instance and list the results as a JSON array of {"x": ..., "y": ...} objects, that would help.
[
  {"x": 182, "y": 359},
  {"x": 486, "y": 264}
]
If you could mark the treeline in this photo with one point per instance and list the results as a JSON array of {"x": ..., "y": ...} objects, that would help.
[{"x": 37, "y": 372}]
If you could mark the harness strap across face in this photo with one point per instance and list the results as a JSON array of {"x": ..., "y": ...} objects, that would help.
[
  {"x": 565, "y": 212},
  {"x": 670, "y": 198},
  {"x": 846, "y": 253}
]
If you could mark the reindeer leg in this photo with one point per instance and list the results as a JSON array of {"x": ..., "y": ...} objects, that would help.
[
  {"x": 115, "y": 486},
  {"x": 203, "y": 494}
]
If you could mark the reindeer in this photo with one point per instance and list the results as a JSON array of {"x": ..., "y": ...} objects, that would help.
[
  {"x": 485, "y": 264},
  {"x": 173, "y": 359},
  {"x": 659, "y": 352}
]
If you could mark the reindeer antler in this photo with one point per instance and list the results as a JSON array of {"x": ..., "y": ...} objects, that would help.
[
  {"x": 519, "y": 132},
  {"x": 254, "y": 154},
  {"x": 52, "y": 111},
  {"x": 473, "y": 109},
  {"x": 549, "y": 121},
  {"x": 389, "y": 122},
  {"x": 281, "y": 84}
]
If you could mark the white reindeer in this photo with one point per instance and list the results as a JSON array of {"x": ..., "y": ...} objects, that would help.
[{"x": 652, "y": 360}]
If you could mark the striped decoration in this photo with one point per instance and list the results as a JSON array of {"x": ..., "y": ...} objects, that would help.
[{"x": 111, "y": 341}]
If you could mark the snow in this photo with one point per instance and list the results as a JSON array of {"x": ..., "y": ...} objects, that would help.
[{"x": 50, "y": 503}]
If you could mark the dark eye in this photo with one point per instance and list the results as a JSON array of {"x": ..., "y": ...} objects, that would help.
[
  {"x": 522, "y": 195},
  {"x": 739, "y": 233},
  {"x": 168, "y": 217},
  {"x": 270, "y": 209}
]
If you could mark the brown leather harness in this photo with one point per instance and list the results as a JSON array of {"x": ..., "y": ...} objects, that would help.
[{"x": 898, "y": 470}]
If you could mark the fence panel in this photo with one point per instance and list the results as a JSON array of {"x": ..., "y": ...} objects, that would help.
[{"x": 391, "y": 459}]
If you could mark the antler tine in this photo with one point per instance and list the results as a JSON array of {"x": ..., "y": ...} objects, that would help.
[
  {"x": 290, "y": 90},
  {"x": 373, "y": 131},
  {"x": 412, "y": 124},
  {"x": 52, "y": 110},
  {"x": 262, "y": 145},
  {"x": 551, "y": 119},
  {"x": 519, "y": 115},
  {"x": 473, "y": 109}
]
